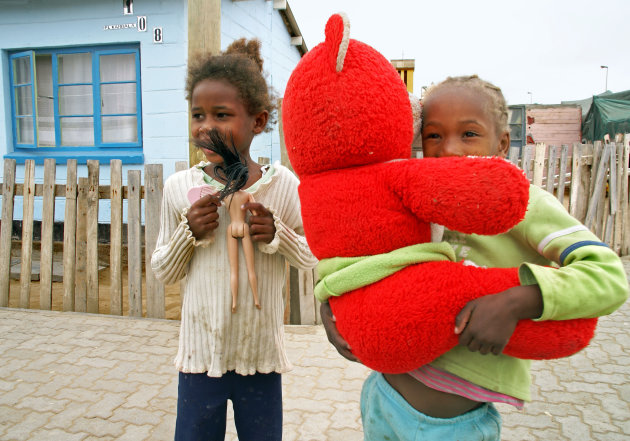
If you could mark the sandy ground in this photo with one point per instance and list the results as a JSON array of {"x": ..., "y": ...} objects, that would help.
[{"x": 172, "y": 296}]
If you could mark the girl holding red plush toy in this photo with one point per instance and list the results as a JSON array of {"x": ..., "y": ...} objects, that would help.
[
  {"x": 396, "y": 293},
  {"x": 451, "y": 398},
  {"x": 230, "y": 352}
]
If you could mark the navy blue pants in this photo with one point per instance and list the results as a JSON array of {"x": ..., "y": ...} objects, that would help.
[{"x": 202, "y": 406}]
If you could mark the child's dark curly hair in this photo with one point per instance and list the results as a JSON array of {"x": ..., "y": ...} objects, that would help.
[
  {"x": 497, "y": 104},
  {"x": 242, "y": 66}
]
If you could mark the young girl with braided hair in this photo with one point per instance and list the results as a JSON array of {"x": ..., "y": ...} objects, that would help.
[
  {"x": 230, "y": 352},
  {"x": 453, "y": 397}
]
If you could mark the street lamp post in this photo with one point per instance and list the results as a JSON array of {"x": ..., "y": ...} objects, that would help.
[
  {"x": 531, "y": 97},
  {"x": 605, "y": 67}
]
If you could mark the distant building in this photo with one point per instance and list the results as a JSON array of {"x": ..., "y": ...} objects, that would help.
[
  {"x": 405, "y": 69},
  {"x": 554, "y": 124}
]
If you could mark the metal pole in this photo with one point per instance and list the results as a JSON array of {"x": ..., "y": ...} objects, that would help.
[{"x": 606, "y": 67}]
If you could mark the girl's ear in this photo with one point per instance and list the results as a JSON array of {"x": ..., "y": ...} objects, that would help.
[
  {"x": 260, "y": 121},
  {"x": 504, "y": 144}
]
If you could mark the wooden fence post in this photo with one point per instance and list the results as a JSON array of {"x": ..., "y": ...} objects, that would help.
[
  {"x": 293, "y": 290},
  {"x": 618, "y": 224},
  {"x": 526, "y": 161},
  {"x": 134, "y": 243},
  {"x": 539, "y": 164},
  {"x": 69, "y": 236},
  {"x": 80, "y": 290},
  {"x": 92, "y": 236},
  {"x": 604, "y": 203},
  {"x": 551, "y": 169},
  {"x": 115, "y": 238},
  {"x": 597, "y": 154},
  {"x": 613, "y": 194},
  {"x": 562, "y": 173},
  {"x": 153, "y": 188},
  {"x": 580, "y": 182},
  {"x": 8, "y": 194},
  {"x": 598, "y": 187},
  {"x": 46, "y": 249},
  {"x": 26, "y": 255}
]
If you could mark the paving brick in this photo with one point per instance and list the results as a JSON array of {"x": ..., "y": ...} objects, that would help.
[
  {"x": 66, "y": 417},
  {"x": 575, "y": 429},
  {"x": 136, "y": 433},
  {"x": 98, "y": 427},
  {"x": 56, "y": 434},
  {"x": 105, "y": 406},
  {"x": 27, "y": 424},
  {"x": 143, "y": 395},
  {"x": 42, "y": 404}
]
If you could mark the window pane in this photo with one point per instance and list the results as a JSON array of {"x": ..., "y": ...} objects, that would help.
[
  {"x": 119, "y": 129},
  {"x": 25, "y": 131},
  {"x": 516, "y": 132},
  {"x": 45, "y": 131},
  {"x": 24, "y": 100},
  {"x": 45, "y": 103},
  {"x": 118, "y": 98},
  {"x": 77, "y": 131},
  {"x": 21, "y": 70},
  {"x": 75, "y": 100},
  {"x": 75, "y": 68},
  {"x": 118, "y": 67},
  {"x": 516, "y": 116}
]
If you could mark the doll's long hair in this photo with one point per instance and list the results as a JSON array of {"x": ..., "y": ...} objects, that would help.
[{"x": 233, "y": 170}]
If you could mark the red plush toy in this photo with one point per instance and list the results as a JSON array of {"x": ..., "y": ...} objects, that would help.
[{"x": 367, "y": 211}]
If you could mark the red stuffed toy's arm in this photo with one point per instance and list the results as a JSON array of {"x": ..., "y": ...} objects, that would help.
[{"x": 478, "y": 195}]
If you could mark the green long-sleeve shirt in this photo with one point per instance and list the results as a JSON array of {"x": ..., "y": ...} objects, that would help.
[{"x": 589, "y": 282}]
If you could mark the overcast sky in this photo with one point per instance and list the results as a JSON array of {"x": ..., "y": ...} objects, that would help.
[{"x": 551, "y": 48}]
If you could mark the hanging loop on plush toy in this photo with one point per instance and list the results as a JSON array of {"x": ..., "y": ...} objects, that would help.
[{"x": 338, "y": 38}]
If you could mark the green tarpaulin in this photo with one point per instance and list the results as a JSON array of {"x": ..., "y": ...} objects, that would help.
[{"x": 608, "y": 114}]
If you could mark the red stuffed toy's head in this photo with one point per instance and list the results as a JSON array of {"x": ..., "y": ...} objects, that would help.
[{"x": 327, "y": 123}]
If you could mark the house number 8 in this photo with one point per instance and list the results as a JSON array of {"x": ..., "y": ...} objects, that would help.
[{"x": 157, "y": 35}]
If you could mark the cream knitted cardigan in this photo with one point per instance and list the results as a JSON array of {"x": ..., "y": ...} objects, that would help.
[{"x": 213, "y": 339}]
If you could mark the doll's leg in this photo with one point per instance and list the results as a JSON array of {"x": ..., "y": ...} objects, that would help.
[
  {"x": 248, "y": 250},
  {"x": 232, "y": 244}
]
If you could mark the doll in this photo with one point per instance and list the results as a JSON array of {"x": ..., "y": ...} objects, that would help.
[
  {"x": 236, "y": 176},
  {"x": 238, "y": 228},
  {"x": 367, "y": 210}
]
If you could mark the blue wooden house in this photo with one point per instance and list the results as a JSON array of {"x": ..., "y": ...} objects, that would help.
[{"x": 104, "y": 79}]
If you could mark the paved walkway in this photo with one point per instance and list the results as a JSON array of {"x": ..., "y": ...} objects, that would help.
[{"x": 71, "y": 376}]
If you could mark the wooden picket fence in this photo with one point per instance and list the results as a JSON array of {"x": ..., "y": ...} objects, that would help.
[
  {"x": 595, "y": 179},
  {"x": 80, "y": 242},
  {"x": 590, "y": 180}
]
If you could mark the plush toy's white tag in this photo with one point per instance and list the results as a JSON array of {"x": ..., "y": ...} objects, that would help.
[{"x": 437, "y": 231}]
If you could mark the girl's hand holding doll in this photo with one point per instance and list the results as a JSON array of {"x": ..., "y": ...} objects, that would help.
[
  {"x": 261, "y": 224},
  {"x": 203, "y": 217}
]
